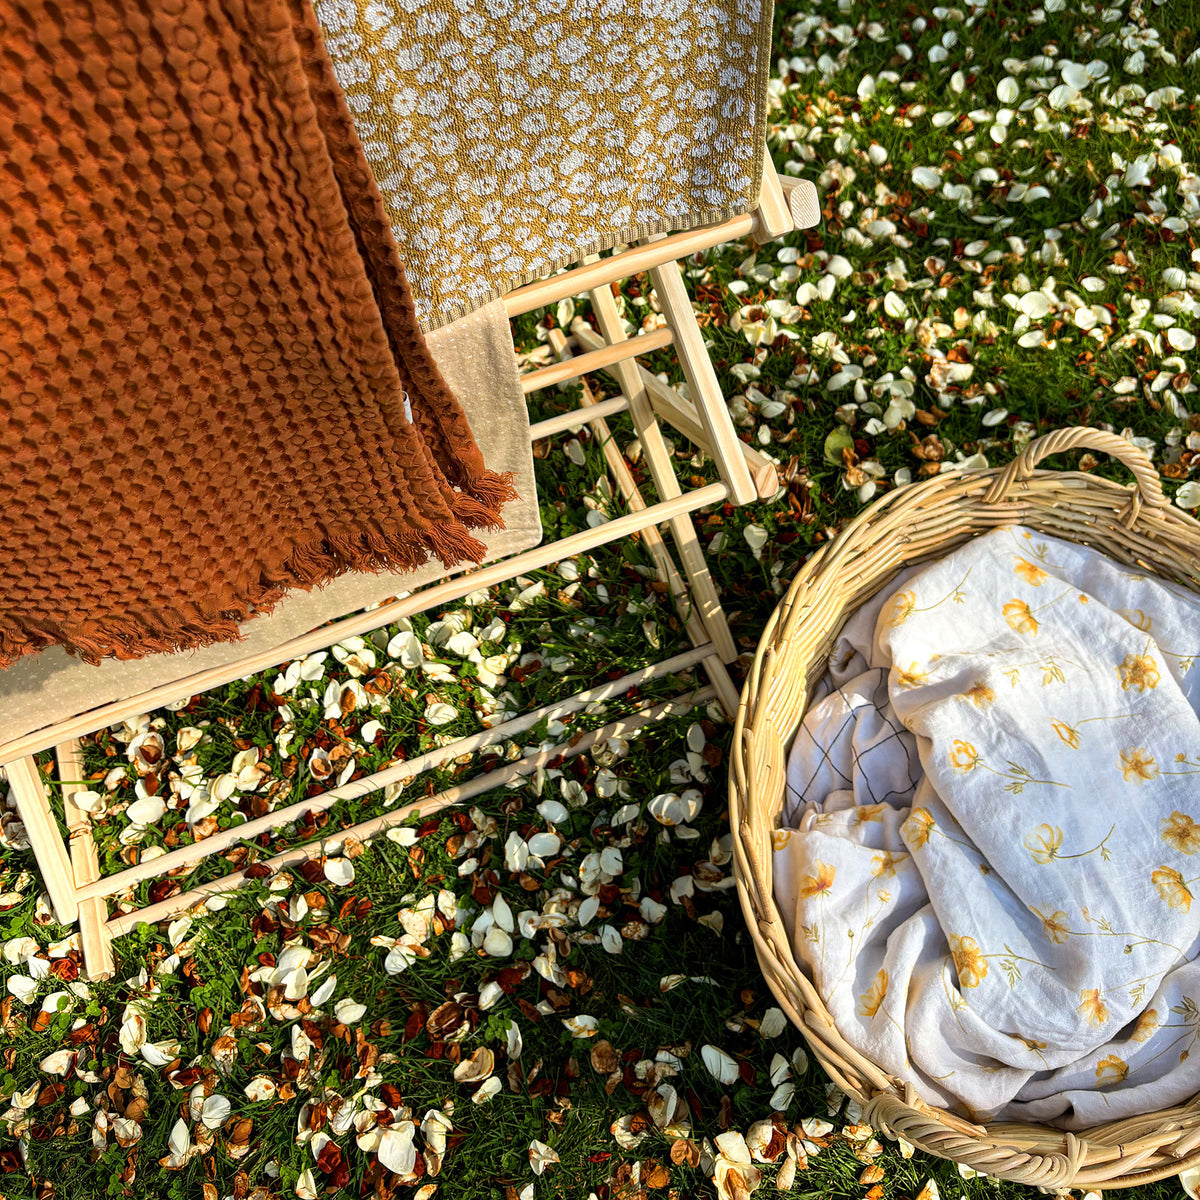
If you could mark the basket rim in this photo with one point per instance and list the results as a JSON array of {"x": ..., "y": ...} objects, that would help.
[{"x": 1124, "y": 1153}]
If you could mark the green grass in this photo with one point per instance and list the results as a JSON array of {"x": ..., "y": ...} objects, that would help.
[{"x": 199, "y": 993}]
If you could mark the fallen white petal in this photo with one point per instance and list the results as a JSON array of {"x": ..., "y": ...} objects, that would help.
[
  {"x": 216, "y": 1109},
  {"x": 397, "y": 1148},
  {"x": 719, "y": 1065},
  {"x": 581, "y": 1027},
  {"x": 440, "y": 714},
  {"x": 773, "y": 1023},
  {"x": 260, "y": 1088},
  {"x": 22, "y": 987},
  {"x": 339, "y": 871},
  {"x": 541, "y": 1156},
  {"x": 349, "y": 1011}
]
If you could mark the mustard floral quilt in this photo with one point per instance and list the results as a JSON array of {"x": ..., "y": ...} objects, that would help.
[
  {"x": 989, "y": 853},
  {"x": 512, "y": 137}
]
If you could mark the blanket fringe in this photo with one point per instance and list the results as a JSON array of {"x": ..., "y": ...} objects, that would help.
[
  {"x": 474, "y": 514},
  {"x": 493, "y": 491},
  {"x": 309, "y": 565}
]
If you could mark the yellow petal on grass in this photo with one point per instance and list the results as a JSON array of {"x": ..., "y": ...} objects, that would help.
[
  {"x": 1189, "y": 1180},
  {"x": 1020, "y": 618},
  {"x": 873, "y": 997},
  {"x": 929, "y": 1191}
]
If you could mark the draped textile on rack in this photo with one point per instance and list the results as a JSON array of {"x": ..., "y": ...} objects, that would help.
[
  {"x": 475, "y": 357},
  {"x": 512, "y": 138},
  {"x": 213, "y": 386},
  {"x": 989, "y": 852}
]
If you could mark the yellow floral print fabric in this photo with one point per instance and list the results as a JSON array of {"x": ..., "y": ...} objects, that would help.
[
  {"x": 511, "y": 137},
  {"x": 1013, "y": 925}
]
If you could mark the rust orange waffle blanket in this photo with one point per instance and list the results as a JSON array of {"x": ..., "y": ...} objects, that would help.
[{"x": 206, "y": 335}]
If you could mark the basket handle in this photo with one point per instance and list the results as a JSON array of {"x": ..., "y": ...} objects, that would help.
[{"x": 1148, "y": 486}]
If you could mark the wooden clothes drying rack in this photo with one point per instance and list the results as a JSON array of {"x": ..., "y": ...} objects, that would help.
[{"x": 70, "y": 866}]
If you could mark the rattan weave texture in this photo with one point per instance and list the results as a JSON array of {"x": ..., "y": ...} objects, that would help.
[{"x": 1133, "y": 525}]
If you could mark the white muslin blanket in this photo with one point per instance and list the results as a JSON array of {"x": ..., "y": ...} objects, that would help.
[{"x": 989, "y": 851}]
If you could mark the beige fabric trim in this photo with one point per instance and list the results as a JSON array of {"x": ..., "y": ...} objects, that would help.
[{"x": 476, "y": 357}]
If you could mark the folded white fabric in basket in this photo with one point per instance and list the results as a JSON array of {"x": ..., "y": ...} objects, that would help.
[{"x": 990, "y": 847}]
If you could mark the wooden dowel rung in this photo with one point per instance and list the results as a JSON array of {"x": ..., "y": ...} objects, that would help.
[
  {"x": 403, "y": 772},
  {"x": 363, "y": 623},
  {"x": 581, "y": 364},
  {"x": 657, "y": 457},
  {"x": 629, "y": 262},
  {"x": 489, "y": 781},
  {"x": 804, "y": 202},
  {"x": 681, "y": 414},
  {"x": 623, "y": 477},
  {"x": 578, "y": 418}
]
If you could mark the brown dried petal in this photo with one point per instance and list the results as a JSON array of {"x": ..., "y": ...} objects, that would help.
[
  {"x": 654, "y": 1174},
  {"x": 685, "y": 1151},
  {"x": 444, "y": 1020},
  {"x": 603, "y": 1057}
]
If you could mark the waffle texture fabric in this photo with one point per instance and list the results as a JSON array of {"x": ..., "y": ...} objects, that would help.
[
  {"x": 213, "y": 385},
  {"x": 475, "y": 355},
  {"x": 512, "y": 137}
]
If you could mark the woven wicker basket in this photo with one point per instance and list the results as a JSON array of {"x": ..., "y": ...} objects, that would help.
[{"x": 1134, "y": 525}]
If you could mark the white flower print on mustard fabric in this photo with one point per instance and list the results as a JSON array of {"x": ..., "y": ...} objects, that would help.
[{"x": 511, "y": 137}]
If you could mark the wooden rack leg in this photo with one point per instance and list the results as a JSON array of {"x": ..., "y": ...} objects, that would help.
[
  {"x": 33, "y": 803},
  {"x": 702, "y": 382},
  {"x": 680, "y": 413},
  {"x": 698, "y": 630},
  {"x": 85, "y": 863},
  {"x": 662, "y": 471}
]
